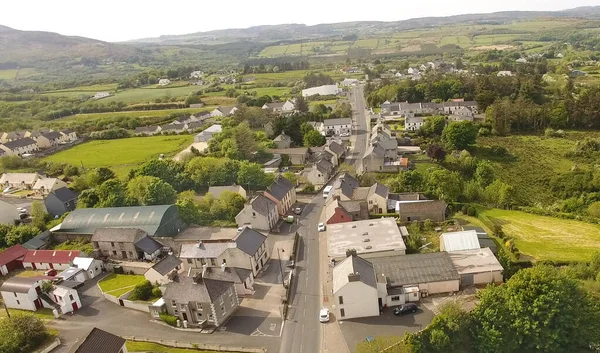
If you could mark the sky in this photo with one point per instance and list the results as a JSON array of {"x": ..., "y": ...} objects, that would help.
[{"x": 121, "y": 20}]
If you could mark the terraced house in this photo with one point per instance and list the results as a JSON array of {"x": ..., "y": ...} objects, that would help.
[
  {"x": 20, "y": 147},
  {"x": 283, "y": 193}
]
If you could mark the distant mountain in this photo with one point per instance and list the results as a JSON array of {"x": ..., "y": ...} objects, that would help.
[{"x": 301, "y": 31}]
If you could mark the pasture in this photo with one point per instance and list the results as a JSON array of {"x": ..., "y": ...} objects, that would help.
[
  {"x": 147, "y": 94},
  {"x": 141, "y": 114}
]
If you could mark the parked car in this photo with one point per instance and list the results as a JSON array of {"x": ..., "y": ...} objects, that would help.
[
  {"x": 321, "y": 227},
  {"x": 289, "y": 219},
  {"x": 406, "y": 308},
  {"x": 344, "y": 134},
  {"x": 324, "y": 315},
  {"x": 297, "y": 210}
]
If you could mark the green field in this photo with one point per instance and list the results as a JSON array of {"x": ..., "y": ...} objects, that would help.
[
  {"x": 123, "y": 154},
  {"x": 491, "y": 39},
  {"x": 462, "y": 41},
  {"x": 547, "y": 238},
  {"x": 158, "y": 348},
  {"x": 10, "y": 74},
  {"x": 132, "y": 114},
  {"x": 146, "y": 94},
  {"x": 117, "y": 285},
  {"x": 366, "y": 43}
]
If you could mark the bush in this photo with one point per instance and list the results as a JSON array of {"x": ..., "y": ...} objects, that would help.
[
  {"x": 428, "y": 224},
  {"x": 471, "y": 211},
  {"x": 169, "y": 319},
  {"x": 499, "y": 151},
  {"x": 110, "y": 134},
  {"x": 22, "y": 333},
  {"x": 484, "y": 131},
  {"x": 142, "y": 291},
  {"x": 156, "y": 292}
]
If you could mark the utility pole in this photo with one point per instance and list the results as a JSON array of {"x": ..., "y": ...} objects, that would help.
[{"x": 280, "y": 267}]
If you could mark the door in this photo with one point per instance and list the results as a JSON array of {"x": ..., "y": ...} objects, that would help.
[
  {"x": 38, "y": 304},
  {"x": 467, "y": 280},
  {"x": 184, "y": 315},
  {"x": 75, "y": 307},
  {"x": 124, "y": 254},
  {"x": 51, "y": 265},
  {"x": 33, "y": 266},
  {"x": 380, "y": 302}
]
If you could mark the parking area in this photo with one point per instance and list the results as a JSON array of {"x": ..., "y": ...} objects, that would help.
[{"x": 388, "y": 324}]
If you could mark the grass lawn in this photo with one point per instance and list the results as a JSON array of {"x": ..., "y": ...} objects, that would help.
[
  {"x": 122, "y": 154},
  {"x": 116, "y": 284},
  {"x": 146, "y": 94},
  {"x": 547, "y": 238},
  {"x": 30, "y": 273},
  {"x": 44, "y": 313},
  {"x": 158, "y": 348},
  {"x": 132, "y": 114}
]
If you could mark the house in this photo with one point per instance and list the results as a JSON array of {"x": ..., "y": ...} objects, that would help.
[
  {"x": 26, "y": 294},
  {"x": 125, "y": 244},
  {"x": 413, "y": 123},
  {"x": 282, "y": 141},
  {"x": 100, "y": 95},
  {"x": 39, "y": 242},
  {"x": 477, "y": 266},
  {"x": 207, "y": 134},
  {"x": 268, "y": 127},
  {"x": 223, "y": 111},
  {"x": 11, "y": 259},
  {"x": 456, "y": 105},
  {"x": 283, "y": 193},
  {"x": 434, "y": 210},
  {"x": 242, "y": 278},
  {"x": 49, "y": 259},
  {"x": 280, "y": 107},
  {"x": 68, "y": 135},
  {"x": 73, "y": 274},
  {"x": 504, "y": 73},
  {"x": 100, "y": 341},
  {"x": 34, "y": 134},
  {"x": 174, "y": 128},
  {"x": 338, "y": 150},
  {"x": 159, "y": 221},
  {"x": 147, "y": 130},
  {"x": 319, "y": 173},
  {"x": 484, "y": 239},
  {"x": 325, "y": 90},
  {"x": 521, "y": 61},
  {"x": 92, "y": 267},
  {"x": 297, "y": 155},
  {"x": 377, "y": 198},
  {"x": 462, "y": 114},
  {"x": 196, "y": 74},
  {"x": 349, "y": 82},
  {"x": 164, "y": 82},
  {"x": 387, "y": 143},
  {"x": 337, "y": 126},
  {"x": 216, "y": 191},
  {"x": 200, "y": 302},
  {"x": 337, "y": 211},
  {"x": 355, "y": 292},
  {"x": 458, "y": 241},
  {"x": 8, "y": 213},
  {"x": 317, "y": 125},
  {"x": 261, "y": 213},
  {"x": 60, "y": 201},
  {"x": 344, "y": 186},
  {"x": 370, "y": 238},
  {"x": 19, "y": 180},
  {"x": 49, "y": 139},
  {"x": 12, "y": 136},
  {"x": 195, "y": 125},
  {"x": 274, "y": 162},
  {"x": 164, "y": 270},
  {"x": 247, "y": 249},
  {"x": 376, "y": 159},
  {"x": 45, "y": 186},
  {"x": 20, "y": 147},
  {"x": 400, "y": 108}
]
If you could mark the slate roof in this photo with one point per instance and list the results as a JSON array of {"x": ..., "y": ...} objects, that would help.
[
  {"x": 324, "y": 166},
  {"x": 282, "y": 137},
  {"x": 280, "y": 187},
  {"x": 67, "y": 131},
  {"x": 414, "y": 119},
  {"x": 173, "y": 127},
  {"x": 100, "y": 341},
  {"x": 375, "y": 149},
  {"x": 422, "y": 207},
  {"x": 167, "y": 265},
  {"x": 53, "y": 135},
  {"x": 202, "y": 250},
  {"x": 262, "y": 205},
  {"x": 121, "y": 235},
  {"x": 353, "y": 265},
  {"x": 148, "y": 245},
  {"x": 416, "y": 268},
  {"x": 185, "y": 290},
  {"x": 11, "y": 254},
  {"x": 340, "y": 121},
  {"x": 336, "y": 148},
  {"x": 20, "y": 143},
  {"x": 18, "y": 284},
  {"x": 38, "y": 242},
  {"x": 249, "y": 240},
  {"x": 407, "y": 196},
  {"x": 352, "y": 206},
  {"x": 64, "y": 194},
  {"x": 380, "y": 190},
  {"x": 229, "y": 274},
  {"x": 346, "y": 183},
  {"x": 146, "y": 129}
]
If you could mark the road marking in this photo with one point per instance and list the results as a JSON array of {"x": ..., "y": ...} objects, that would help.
[{"x": 304, "y": 315}]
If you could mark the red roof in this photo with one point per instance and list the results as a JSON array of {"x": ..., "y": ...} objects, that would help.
[
  {"x": 51, "y": 256},
  {"x": 11, "y": 254}
]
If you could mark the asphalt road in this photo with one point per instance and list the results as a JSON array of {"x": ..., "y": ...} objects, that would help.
[
  {"x": 302, "y": 330},
  {"x": 360, "y": 123}
]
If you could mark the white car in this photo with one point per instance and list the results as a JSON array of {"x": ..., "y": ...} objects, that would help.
[
  {"x": 344, "y": 134},
  {"x": 321, "y": 227},
  {"x": 324, "y": 315}
]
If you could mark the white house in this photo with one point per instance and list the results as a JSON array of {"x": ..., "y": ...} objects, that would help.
[
  {"x": 324, "y": 90},
  {"x": 504, "y": 73},
  {"x": 49, "y": 139},
  {"x": 49, "y": 259},
  {"x": 260, "y": 213},
  {"x": 223, "y": 111},
  {"x": 20, "y": 147},
  {"x": 206, "y": 135},
  {"x": 196, "y": 74},
  {"x": 349, "y": 82},
  {"x": 101, "y": 95},
  {"x": 69, "y": 135},
  {"x": 93, "y": 267},
  {"x": 19, "y": 180},
  {"x": 164, "y": 82},
  {"x": 47, "y": 185},
  {"x": 66, "y": 298},
  {"x": 164, "y": 271},
  {"x": 355, "y": 288},
  {"x": 413, "y": 123},
  {"x": 26, "y": 294},
  {"x": 337, "y": 126}
]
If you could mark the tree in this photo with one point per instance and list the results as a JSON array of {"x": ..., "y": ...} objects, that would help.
[
  {"x": 21, "y": 234},
  {"x": 252, "y": 176},
  {"x": 484, "y": 173},
  {"x": 445, "y": 185},
  {"x": 104, "y": 174},
  {"x": 459, "y": 135},
  {"x": 232, "y": 203},
  {"x": 193, "y": 99},
  {"x": 434, "y": 125},
  {"x": 313, "y": 139},
  {"x": 539, "y": 309},
  {"x": 39, "y": 215},
  {"x": 88, "y": 199},
  {"x": 188, "y": 208},
  {"x": 71, "y": 171},
  {"x": 22, "y": 333},
  {"x": 291, "y": 177},
  {"x": 499, "y": 194},
  {"x": 231, "y": 93},
  {"x": 111, "y": 194},
  {"x": 593, "y": 210},
  {"x": 436, "y": 152},
  {"x": 160, "y": 193},
  {"x": 141, "y": 291},
  {"x": 301, "y": 104}
]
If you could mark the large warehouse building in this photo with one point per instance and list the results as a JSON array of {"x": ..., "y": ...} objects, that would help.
[{"x": 159, "y": 221}]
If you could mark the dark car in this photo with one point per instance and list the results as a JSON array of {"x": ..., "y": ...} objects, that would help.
[{"x": 405, "y": 309}]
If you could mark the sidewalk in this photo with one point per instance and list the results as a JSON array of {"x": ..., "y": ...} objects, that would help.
[{"x": 332, "y": 339}]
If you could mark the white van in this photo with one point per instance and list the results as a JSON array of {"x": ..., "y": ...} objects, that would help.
[{"x": 326, "y": 191}]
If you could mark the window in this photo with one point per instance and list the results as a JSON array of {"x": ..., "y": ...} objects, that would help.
[
  {"x": 342, "y": 313},
  {"x": 199, "y": 316},
  {"x": 222, "y": 309},
  {"x": 182, "y": 307},
  {"x": 190, "y": 261},
  {"x": 253, "y": 214},
  {"x": 18, "y": 302},
  {"x": 256, "y": 267},
  {"x": 213, "y": 262},
  {"x": 130, "y": 254},
  {"x": 341, "y": 299},
  {"x": 173, "y": 303},
  {"x": 15, "y": 294},
  {"x": 396, "y": 298},
  {"x": 114, "y": 252},
  {"x": 112, "y": 244},
  {"x": 71, "y": 297},
  {"x": 203, "y": 261},
  {"x": 224, "y": 261},
  {"x": 199, "y": 306}
]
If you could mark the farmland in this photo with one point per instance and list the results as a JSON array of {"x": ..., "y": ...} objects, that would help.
[
  {"x": 130, "y": 114},
  {"x": 123, "y": 154}
]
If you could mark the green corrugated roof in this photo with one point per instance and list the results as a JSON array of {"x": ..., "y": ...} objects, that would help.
[{"x": 146, "y": 218}]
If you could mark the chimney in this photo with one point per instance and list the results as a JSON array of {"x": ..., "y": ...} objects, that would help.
[
  {"x": 198, "y": 278},
  {"x": 354, "y": 277},
  {"x": 351, "y": 252},
  {"x": 204, "y": 269},
  {"x": 223, "y": 267},
  {"x": 199, "y": 244}
]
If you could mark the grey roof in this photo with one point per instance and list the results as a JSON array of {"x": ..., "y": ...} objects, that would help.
[
  {"x": 415, "y": 269},
  {"x": 353, "y": 265},
  {"x": 336, "y": 148},
  {"x": 275, "y": 105},
  {"x": 146, "y": 128},
  {"x": 280, "y": 187},
  {"x": 282, "y": 137},
  {"x": 64, "y": 194},
  {"x": 229, "y": 274},
  {"x": 148, "y": 245},
  {"x": 167, "y": 265},
  {"x": 414, "y": 119},
  {"x": 216, "y": 191},
  {"x": 195, "y": 125},
  {"x": 70, "y": 272},
  {"x": 100, "y": 341},
  {"x": 380, "y": 190},
  {"x": 18, "y": 284},
  {"x": 20, "y": 143},
  {"x": 202, "y": 250},
  {"x": 67, "y": 131},
  {"x": 347, "y": 183},
  {"x": 340, "y": 121},
  {"x": 53, "y": 135},
  {"x": 173, "y": 127},
  {"x": 351, "y": 206},
  {"x": 184, "y": 290},
  {"x": 375, "y": 149},
  {"x": 324, "y": 166},
  {"x": 262, "y": 204},
  {"x": 388, "y": 143},
  {"x": 424, "y": 206},
  {"x": 407, "y": 196},
  {"x": 121, "y": 235},
  {"x": 249, "y": 240}
]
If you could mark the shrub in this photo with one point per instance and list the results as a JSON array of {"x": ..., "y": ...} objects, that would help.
[
  {"x": 428, "y": 224},
  {"x": 464, "y": 209},
  {"x": 484, "y": 131},
  {"x": 471, "y": 211},
  {"x": 598, "y": 277},
  {"x": 169, "y": 319},
  {"x": 156, "y": 292},
  {"x": 142, "y": 291},
  {"x": 498, "y": 151}
]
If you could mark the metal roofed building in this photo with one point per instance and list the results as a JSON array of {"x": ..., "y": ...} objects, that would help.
[
  {"x": 160, "y": 221},
  {"x": 370, "y": 238},
  {"x": 477, "y": 266},
  {"x": 457, "y": 241},
  {"x": 100, "y": 341},
  {"x": 431, "y": 272}
]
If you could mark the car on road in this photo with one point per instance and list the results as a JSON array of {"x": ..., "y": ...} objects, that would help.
[
  {"x": 345, "y": 134},
  {"x": 324, "y": 315},
  {"x": 289, "y": 219},
  {"x": 321, "y": 227},
  {"x": 297, "y": 210},
  {"x": 406, "y": 308}
]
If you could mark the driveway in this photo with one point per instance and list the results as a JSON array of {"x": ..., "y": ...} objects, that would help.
[{"x": 388, "y": 324}]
